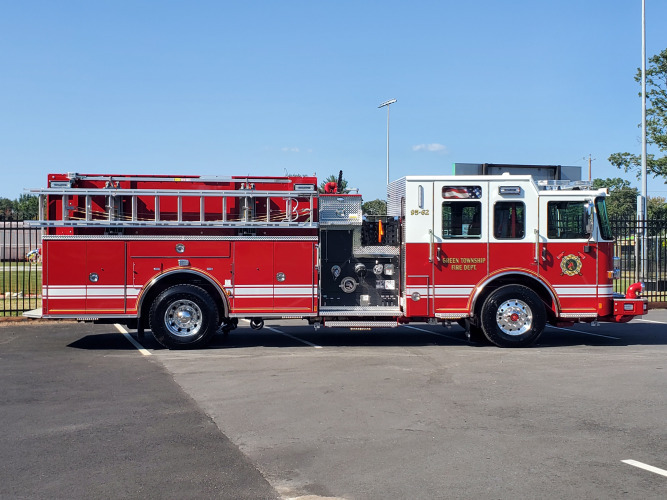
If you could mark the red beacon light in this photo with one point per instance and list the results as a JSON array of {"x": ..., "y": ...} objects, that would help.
[{"x": 331, "y": 188}]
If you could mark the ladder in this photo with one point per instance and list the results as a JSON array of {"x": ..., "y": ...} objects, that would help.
[{"x": 121, "y": 207}]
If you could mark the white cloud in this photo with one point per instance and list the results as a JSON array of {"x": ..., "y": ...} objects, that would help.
[
  {"x": 432, "y": 148},
  {"x": 290, "y": 150}
]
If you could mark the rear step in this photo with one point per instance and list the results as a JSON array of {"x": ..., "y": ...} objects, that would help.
[{"x": 33, "y": 313}]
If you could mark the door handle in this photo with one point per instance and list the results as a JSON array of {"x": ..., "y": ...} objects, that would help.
[{"x": 430, "y": 245}]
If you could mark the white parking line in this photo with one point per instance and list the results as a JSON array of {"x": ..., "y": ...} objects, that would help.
[
  {"x": 651, "y": 321},
  {"x": 647, "y": 467},
  {"x": 129, "y": 337},
  {"x": 436, "y": 333},
  {"x": 585, "y": 333},
  {"x": 294, "y": 338}
]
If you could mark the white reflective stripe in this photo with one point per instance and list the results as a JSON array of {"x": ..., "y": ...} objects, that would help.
[
  {"x": 277, "y": 290},
  {"x": 451, "y": 290},
  {"x": 584, "y": 290},
  {"x": 70, "y": 292},
  {"x": 243, "y": 292},
  {"x": 294, "y": 291},
  {"x": 105, "y": 291},
  {"x": 442, "y": 291},
  {"x": 594, "y": 287},
  {"x": 576, "y": 291},
  {"x": 92, "y": 291}
]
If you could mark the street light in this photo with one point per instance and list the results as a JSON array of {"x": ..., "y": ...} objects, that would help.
[
  {"x": 387, "y": 103},
  {"x": 641, "y": 206}
]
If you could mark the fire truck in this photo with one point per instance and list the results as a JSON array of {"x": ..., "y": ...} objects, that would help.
[{"x": 189, "y": 256}]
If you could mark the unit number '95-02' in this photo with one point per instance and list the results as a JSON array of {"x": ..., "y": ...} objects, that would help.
[{"x": 418, "y": 212}]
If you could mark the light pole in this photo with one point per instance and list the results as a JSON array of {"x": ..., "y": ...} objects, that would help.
[
  {"x": 387, "y": 103},
  {"x": 641, "y": 205}
]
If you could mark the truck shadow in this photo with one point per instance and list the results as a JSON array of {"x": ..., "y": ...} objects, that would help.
[{"x": 306, "y": 337}]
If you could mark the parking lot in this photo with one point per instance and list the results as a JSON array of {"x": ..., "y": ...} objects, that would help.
[{"x": 289, "y": 412}]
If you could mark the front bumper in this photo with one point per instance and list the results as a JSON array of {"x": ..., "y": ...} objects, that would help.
[{"x": 630, "y": 307}]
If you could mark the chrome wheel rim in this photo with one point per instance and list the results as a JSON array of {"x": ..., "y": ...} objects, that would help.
[
  {"x": 514, "y": 317},
  {"x": 183, "y": 318}
]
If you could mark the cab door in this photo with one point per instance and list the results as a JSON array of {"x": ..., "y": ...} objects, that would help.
[
  {"x": 460, "y": 243},
  {"x": 418, "y": 249},
  {"x": 513, "y": 228},
  {"x": 568, "y": 254}
]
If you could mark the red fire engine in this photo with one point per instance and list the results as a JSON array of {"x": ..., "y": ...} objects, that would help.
[{"x": 188, "y": 256}]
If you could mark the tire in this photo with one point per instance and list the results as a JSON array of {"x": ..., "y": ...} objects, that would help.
[
  {"x": 183, "y": 317},
  {"x": 513, "y": 316}
]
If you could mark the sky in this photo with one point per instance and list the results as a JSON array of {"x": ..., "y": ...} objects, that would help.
[{"x": 274, "y": 87}]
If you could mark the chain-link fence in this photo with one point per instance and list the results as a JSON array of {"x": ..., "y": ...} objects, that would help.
[{"x": 20, "y": 266}]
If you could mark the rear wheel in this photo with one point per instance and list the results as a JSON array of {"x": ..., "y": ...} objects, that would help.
[
  {"x": 513, "y": 316},
  {"x": 183, "y": 317}
]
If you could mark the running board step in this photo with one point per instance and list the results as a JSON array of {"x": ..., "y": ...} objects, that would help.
[{"x": 360, "y": 324}]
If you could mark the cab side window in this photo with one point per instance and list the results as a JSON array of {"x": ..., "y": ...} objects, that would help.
[
  {"x": 461, "y": 219},
  {"x": 509, "y": 220},
  {"x": 461, "y": 216},
  {"x": 567, "y": 220}
]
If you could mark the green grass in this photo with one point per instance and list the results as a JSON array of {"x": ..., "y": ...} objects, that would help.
[
  {"x": 19, "y": 279},
  {"x": 16, "y": 307},
  {"x": 22, "y": 278}
]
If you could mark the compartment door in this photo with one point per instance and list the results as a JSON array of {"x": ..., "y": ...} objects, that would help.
[
  {"x": 64, "y": 289},
  {"x": 105, "y": 277},
  {"x": 295, "y": 277},
  {"x": 253, "y": 278}
]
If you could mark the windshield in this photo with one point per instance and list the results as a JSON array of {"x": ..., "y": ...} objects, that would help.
[{"x": 603, "y": 219}]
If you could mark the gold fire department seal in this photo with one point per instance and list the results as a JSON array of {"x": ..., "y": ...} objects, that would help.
[{"x": 571, "y": 265}]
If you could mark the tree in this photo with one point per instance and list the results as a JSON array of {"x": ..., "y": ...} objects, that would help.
[
  {"x": 656, "y": 208},
  {"x": 656, "y": 120},
  {"x": 622, "y": 199},
  {"x": 27, "y": 206},
  {"x": 374, "y": 207},
  {"x": 338, "y": 179},
  {"x": 6, "y": 207}
]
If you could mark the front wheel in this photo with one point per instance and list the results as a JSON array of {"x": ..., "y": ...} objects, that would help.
[
  {"x": 513, "y": 316},
  {"x": 183, "y": 317}
]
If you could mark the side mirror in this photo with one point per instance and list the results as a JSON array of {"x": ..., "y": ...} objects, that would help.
[{"x": 590, "y": 221}]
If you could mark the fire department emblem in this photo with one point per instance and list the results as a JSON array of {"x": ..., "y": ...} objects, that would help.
[{"x": 571, "y": 265}]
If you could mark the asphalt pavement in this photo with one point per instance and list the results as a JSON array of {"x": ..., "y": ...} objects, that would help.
[{"x": 84, "y": 415}]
